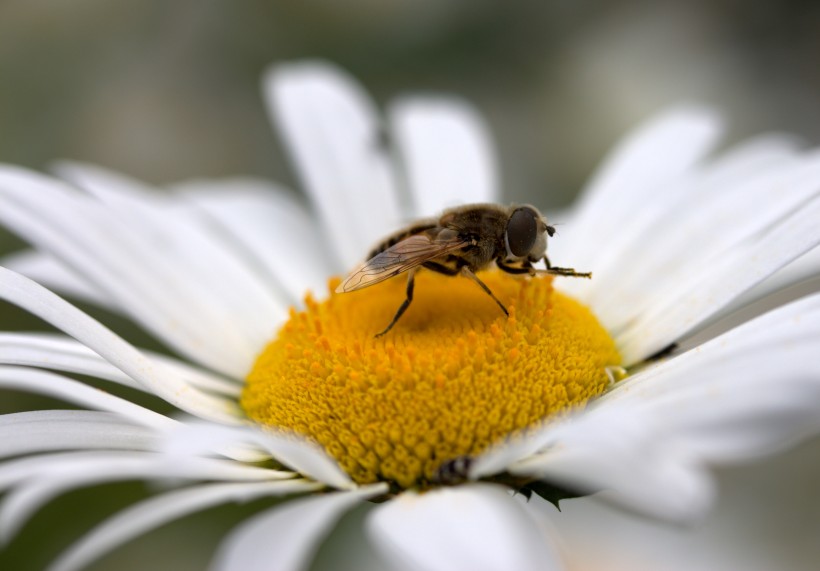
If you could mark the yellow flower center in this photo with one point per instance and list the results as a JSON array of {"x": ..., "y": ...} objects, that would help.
[{"x": 452, "y": 377}]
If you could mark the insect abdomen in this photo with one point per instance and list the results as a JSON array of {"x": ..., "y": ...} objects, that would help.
[{"x": 394, "y": 239}]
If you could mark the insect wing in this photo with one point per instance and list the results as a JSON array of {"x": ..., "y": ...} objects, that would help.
[{"x": 407, "y": 254}]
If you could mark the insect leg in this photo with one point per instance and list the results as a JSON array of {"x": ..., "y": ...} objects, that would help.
[
  {"x": 469, "y": 273},
  {"x": 525, "y": 268},
  {"x": 411, "y": 275},
  {"x": 562, "y": 271}
]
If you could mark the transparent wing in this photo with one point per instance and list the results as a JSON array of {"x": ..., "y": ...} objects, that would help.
[{"x": 409, "y": 253}]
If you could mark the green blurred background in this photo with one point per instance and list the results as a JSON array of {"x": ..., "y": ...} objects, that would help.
[{"x": 169, "y": 90}]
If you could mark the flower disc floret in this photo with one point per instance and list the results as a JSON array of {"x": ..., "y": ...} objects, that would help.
[{"x": 451, "y": 378}]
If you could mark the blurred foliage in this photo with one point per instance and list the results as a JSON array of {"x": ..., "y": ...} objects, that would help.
[{"x": 169, "y": 90}]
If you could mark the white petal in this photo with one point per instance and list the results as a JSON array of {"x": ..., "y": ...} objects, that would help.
[
  {"x": 306, "y": 458},
  {"x": 49, "y": 272},
  {"x": 55, "y": 476},
  {"x": 62, "y": 353},
  {"x": 58, "y": 353},
  {"x": 42, "y": 382},
  {"x": 710, "y": 218},
  {"x": 292, "y": 450},
  {"x": 193, "y": 375},
  {"x": 76, "y": 469},
  {"x": 277, "y": 232},
  {"x": 658, "y": 483},
  {"x": 633, "y": 175},
  {"x": 285, "y": 538},
  {"x": 46, "y": 305},
  {"x": 209, "y": 258},
  {"x": 743, "y": 422},
  {"x": 614, "y": 450},
  {"x": 194, "y": 437},
  {"x": 144, "y": 270},
  {"x": 334, "y": 136},
  {"x": 694, "y": 222},
  {"x": 805, "y": 267},
  {"x": 693, "y": 302},
  {"x": 45, "y": 430},
  {"x": 446, "y": 151},
  {"x": 501, "y": 456},
  {"x": 750, "y": 392},
  {"x": 477, "y": 527},
  {"x": 152, "y": 513}
]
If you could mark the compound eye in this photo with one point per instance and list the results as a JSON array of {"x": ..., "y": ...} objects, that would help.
[{"x": 522, "y": 231}]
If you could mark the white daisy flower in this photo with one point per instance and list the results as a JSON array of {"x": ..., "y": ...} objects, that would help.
[{"x": 445, "y": 425}]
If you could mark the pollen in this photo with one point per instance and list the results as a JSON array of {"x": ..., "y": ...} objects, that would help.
[{"x": 453, "y": 376}]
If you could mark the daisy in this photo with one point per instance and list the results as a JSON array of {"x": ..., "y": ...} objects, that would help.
[{"x": 446, "y": 426}]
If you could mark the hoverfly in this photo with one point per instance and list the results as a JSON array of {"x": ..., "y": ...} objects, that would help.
[{"x": 463, "y": 240}]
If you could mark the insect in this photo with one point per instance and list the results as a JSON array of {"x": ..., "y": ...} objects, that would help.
[
  {"x": 463, "y": 240},
  {"x": 455, "y": 471}
]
